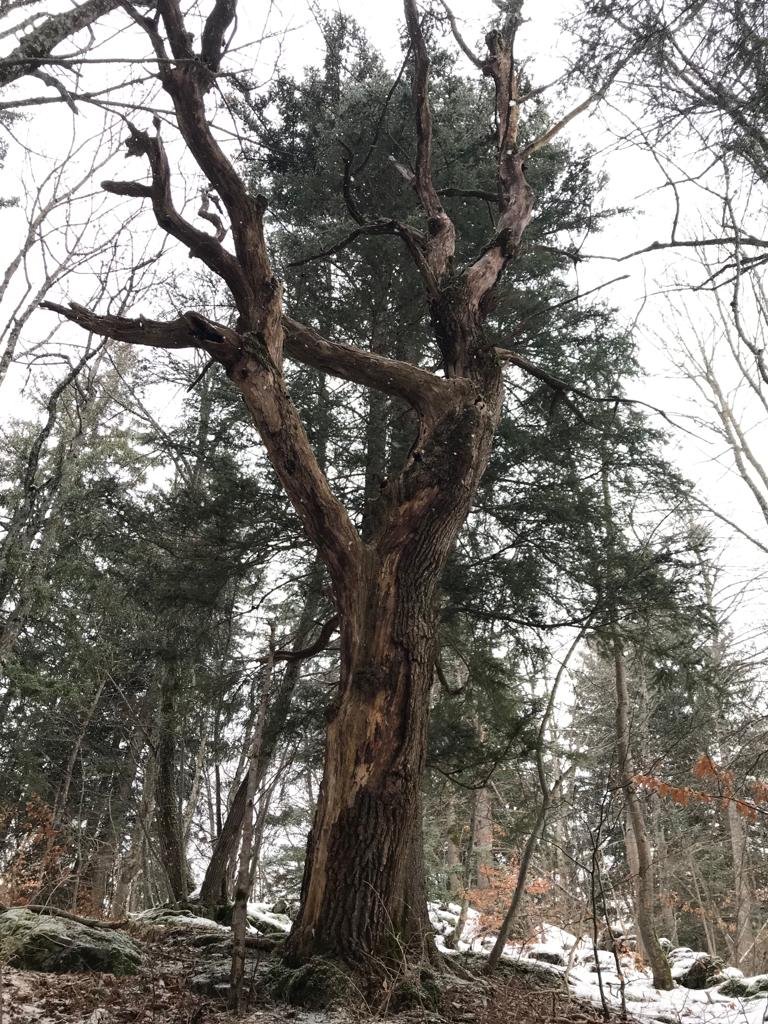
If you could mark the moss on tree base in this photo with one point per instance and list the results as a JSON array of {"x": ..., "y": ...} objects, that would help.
[{"x": 315, "y": 985}]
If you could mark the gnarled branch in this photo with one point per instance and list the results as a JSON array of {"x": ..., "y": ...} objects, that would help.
[
  {"x": 190, "y": 330},
  {"x": 429, "y": 395},
  {"x": 440, "y": 244},
  {"x": 201, "y": 244}
]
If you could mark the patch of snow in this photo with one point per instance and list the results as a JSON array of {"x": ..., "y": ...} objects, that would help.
[
  {"x": 644, "y": 1002},
  {"x": 552, "y": 936},
  {"x": 261, "y": 912},
  {"x": 164, "y": 918}
]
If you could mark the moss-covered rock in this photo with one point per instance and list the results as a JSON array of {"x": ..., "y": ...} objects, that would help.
[
  {"x": 162, "y": 922},
  {"x": 547, "y": 956},
  {"x": 745, "y": 988},
  {"x": 41, "y": 942},
  {"x": 532, "y": 973}
]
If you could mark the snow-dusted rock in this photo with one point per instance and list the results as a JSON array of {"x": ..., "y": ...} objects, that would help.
[
  {"x": 158, "y": 920},
  {"x": 745, "y": 988},
  {"x": 546, "y": 953},
  {"x": 266, "y": 922},
  {"x": 695, "y": 970},
  {"x": 552, "y": 936}
]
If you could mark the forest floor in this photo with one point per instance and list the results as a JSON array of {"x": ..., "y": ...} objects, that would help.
[{"x": 162, "y": 993}]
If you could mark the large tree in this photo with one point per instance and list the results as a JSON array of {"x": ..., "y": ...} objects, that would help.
[{"x": 363, "y": 891}]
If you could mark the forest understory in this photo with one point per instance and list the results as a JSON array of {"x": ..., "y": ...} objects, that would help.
[{"x": 174, "y": 969}]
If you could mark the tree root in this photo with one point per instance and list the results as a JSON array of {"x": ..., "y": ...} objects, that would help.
[{"x": 269, "y": 943}]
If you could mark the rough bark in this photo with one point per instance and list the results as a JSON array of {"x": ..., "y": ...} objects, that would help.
[
  {"x": 168, "y": 813},
  {"x": 364, "y": 873}
]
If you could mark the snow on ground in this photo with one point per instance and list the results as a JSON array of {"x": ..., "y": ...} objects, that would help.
[{"x": 565, "y": 955}]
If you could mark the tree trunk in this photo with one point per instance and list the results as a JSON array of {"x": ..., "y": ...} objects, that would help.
[
  {"x": 364, "y": 891},
  {"x": 453, "y": 866},
  {"x": 633, "y": 863},
  {"x": 214, "y": 887},
  {"x": 664, "y": 875},
  {"x": 662, "y": 976},
  {"x": 131, "y": 865},
  {"x": 244, "y": 876},
  {"x": 743, "y": 939},
  {"x": 483, "y": 838},
  {"x": 168, "y": 816}
]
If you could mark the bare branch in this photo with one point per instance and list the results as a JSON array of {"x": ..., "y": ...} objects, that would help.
[
  {"x": 200, "y": 243},
  {"x": 441, "y": 241},
  {"x": 565, "y": 388},
  {"x": 555, "y": 129},
  {"x": 190, "y": 330},
  {"x": 428, "y": 394},
  {"x": 39, "y": 43},
  {"x": 316, "y": 647},
  {"x": 459, "y": 38}
]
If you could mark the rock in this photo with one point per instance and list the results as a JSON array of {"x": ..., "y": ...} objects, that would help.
[
  {"x": 616, "y": 937},
  {"x": 695, "y": 970},
  {"x": 681, "y": 953},
  {"x": 534, "y": 974},
  {"x": 547, "y": 955},
  {"x": 43, "y": 942},
  {"x": 214, "y": 979},
  {"x": 267, "y": 922},
  {"x": 744, "y": 988},
  {"x": 159, "y": 922}
]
